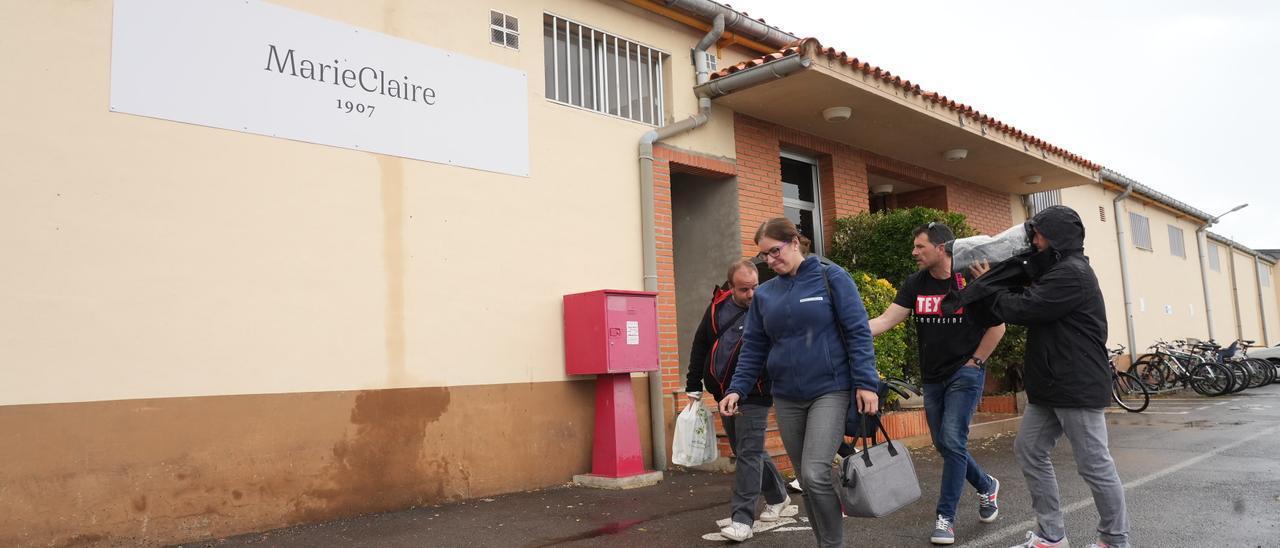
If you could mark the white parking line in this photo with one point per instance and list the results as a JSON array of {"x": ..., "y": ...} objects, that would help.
[{"x": 1018, "y": 528}]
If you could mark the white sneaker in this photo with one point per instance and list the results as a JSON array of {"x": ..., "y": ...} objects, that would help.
[
  {"x": 1035, "y": 541},
  {"x": 736, "y": 532},
  {"x": 774, "y": 511}
]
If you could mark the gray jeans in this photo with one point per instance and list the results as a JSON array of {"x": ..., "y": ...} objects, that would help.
[
  {"x": 812, "y": 431},
  {"x": 754, "y": 472},
  {"x": 1086, "y": 429}
]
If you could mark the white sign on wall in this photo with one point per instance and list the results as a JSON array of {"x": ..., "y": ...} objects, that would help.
[{"x": 249, "y": 66}]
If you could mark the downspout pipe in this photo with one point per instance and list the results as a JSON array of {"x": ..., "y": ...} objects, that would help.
[
  {"x": 1235, "y": 290},
  {"x": 1126, "y": 284},
  {"x": 1203, "y": 246},
  {"x": 1262, "y": 306},
  {"x": 649, "y": 242}
]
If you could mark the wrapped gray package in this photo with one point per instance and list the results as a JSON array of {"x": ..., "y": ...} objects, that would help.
[{"x": 992, "y": 249}]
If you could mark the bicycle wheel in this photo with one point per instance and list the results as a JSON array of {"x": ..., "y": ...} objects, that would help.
[
  {"x": 1210, "y": 379},
  {"x": 1129, "y": 392},
  {"x": 1239, "y": 377},
  {"x": 1148, "y": 372},
  {"x": 1256, "y": 376},
  {"x": 1264, "y": 367}
]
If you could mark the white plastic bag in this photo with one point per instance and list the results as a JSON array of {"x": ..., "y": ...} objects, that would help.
[{"x": 695, "y": 438}]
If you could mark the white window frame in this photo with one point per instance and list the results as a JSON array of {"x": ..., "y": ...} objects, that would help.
[
  {"x": 1179, "y": 250},
  {"x": 816, "y": 205},
  {"x": 505, "y": 29},
  {"x": 1264, "y": 274},
  {"x": 1215, "y": 261},
  {"x": 621, "y": 99},
  {"x": 1146, "y": 231}
]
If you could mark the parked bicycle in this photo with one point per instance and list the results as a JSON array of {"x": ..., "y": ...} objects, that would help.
[
  {"x": 1179, "y": 364},
  {"x": 1127, "y": 391}
]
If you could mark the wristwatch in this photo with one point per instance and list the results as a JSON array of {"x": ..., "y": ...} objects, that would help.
[{"x": 978, "y": 361}]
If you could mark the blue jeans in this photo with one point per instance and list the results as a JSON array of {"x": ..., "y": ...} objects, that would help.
[{"x": 949, "y": 407}]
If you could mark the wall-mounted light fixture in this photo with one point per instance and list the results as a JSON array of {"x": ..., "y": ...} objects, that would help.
[
  {"x": 1031, "y": 180},
  {"x": 956, "y": 154},
  {"x": 882, "y": 190},
  {"x": 837, "y": 114}
]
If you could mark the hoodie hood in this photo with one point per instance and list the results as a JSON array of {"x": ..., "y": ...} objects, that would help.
[{"x": 1061, "y": 226}]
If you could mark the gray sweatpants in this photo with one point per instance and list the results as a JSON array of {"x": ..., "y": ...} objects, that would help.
[
  {"x": 812, "y": 431},
  {"x": 1086, "y": 429}
]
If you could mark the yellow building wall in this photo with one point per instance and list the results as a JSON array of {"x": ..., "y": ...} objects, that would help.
[
  {"x": 1247, "y": 289},
  {"x": 1221, "y": 295},
  {"x": 1100, "y": 247},
  {"x": 149, "y": 258}
]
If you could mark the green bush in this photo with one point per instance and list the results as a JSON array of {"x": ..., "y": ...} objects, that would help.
[
  {"x": 880, "y": 243},
  {"x": 891, "y": 347},
  {"x": 1009, "y": 353}
]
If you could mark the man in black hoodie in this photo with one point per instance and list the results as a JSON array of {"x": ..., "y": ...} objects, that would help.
[
  {"x": 1067, "y": 378},
  {"x": 712, "y": 360}
]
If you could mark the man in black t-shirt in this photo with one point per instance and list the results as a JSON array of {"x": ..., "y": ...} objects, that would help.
[{"x": 953, "y": 351}]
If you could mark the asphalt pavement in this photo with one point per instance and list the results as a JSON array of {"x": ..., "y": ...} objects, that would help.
[{"x": 1197, "y": 472}]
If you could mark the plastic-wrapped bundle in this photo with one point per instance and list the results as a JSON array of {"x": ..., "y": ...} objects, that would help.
[{"x": 992, "y": 249}]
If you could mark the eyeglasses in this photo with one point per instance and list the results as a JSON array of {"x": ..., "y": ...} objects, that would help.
[{"x": 774, "y": 252}]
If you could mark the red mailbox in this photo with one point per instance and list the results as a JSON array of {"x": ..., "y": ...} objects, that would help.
[{"x": 612, "y": 333}]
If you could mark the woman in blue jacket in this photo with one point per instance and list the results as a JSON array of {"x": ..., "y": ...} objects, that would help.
[{"x": 792, "y": 333}]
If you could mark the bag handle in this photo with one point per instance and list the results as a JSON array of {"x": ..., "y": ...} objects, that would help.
[{"x": 866, "y": 455}]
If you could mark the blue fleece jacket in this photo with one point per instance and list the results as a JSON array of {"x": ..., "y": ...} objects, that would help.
[{"x": 791, "y": 330}]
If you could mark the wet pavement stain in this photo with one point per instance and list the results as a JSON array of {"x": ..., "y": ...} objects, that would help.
[{"x": 621, "y": 526}]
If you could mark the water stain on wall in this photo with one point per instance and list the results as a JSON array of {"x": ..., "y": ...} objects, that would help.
[{"x": 381, "y": 466}]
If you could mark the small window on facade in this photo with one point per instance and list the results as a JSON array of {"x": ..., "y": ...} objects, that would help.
[
  {"x": 504, "y": 30},
  {"x": 1102, "y": 214},
  {"x": 598, "y": 71},
  {"x": 1215, "y": 264},
  {"x": 1041, "y": 200},
  {"x": 1264, "y": 274},
  {"x": 1176, "y": 245},
  {"x": 1141, "y": 229}
]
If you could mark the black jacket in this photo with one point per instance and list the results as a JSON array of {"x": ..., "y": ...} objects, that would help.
[
  {"x": 703, "y": 370},
  {"x": 1062, "y": 307}
]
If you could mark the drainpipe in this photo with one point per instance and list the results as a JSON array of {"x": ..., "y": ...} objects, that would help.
[
  {"x": 1204, "y": 273},
  {"x": 1262, "y": 306},
  {"x": 1235, "y": 290},
  {"x": 649, "y": 245},
  {"x": 1124, "y": 252}
]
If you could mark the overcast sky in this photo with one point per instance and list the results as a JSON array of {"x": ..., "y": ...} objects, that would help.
[{"x": 1178, "y": 95}]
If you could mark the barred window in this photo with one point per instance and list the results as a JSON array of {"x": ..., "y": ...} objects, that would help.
[
  {"x": 595, "y": 70},
  {"x": 1215, "y": 263},
  {"x": 1042, "y": 200},
  {"x": 1141, "y": 229},
  {"x": 1176, "y": 245},
  {"x": 504, "y": 30}
]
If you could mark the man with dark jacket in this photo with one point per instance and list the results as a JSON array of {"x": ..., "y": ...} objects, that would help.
[
  {"x": 712, "y": 360},
  {"x": 1067, "y": 378}
]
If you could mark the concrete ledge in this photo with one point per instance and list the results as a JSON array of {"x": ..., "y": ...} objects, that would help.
[
  {"x": 989, "y": 426},
  {"x": 628, "y": 482}
]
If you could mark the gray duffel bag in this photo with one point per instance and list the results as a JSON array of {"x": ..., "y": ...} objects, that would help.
[{"x": 878, "y": 480}]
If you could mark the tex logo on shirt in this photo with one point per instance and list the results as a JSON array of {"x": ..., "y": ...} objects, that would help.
[{"x": 929, "y": 305}]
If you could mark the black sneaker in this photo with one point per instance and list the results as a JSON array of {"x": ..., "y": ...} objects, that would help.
[
  {"x": 988, "y": 508},
  {"x": 944, "y": 531}
]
